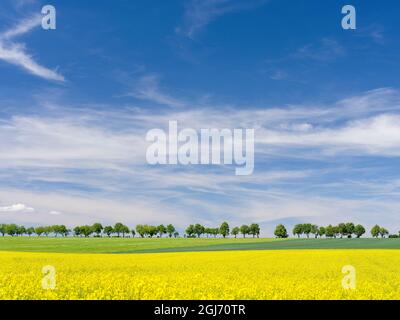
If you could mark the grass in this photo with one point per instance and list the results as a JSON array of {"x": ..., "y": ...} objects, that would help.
[{"x": 137, "y": 245}]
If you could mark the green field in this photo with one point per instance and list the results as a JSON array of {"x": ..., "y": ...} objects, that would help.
[{"x": 137, "y": 245}]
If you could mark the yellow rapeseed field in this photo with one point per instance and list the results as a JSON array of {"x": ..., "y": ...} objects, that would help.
[{"x": 286, "y": 274}]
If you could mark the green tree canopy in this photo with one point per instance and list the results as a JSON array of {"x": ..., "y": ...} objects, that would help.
[
  {"x": 170, "y": 230},
  {"x": 375, "y": 231},
  {"x": 280, "y": 231},
  {"x": 298, "y": 230},
  {"x": 254, "y": 230},
  {"x": 383, "y": 232},
  {"x": 235, "y": 231},
  {"x": 244, "y": 229},
  {"x": 359, "y": 230},
  {"x": 224, "y": 229},
  {"x": 161, "y": 229},
  {"x": 97, "y": 228},
  {"x": 108, "y": 230}
]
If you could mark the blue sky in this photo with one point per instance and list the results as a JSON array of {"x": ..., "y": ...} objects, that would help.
[{"x": 76, "y": 103}]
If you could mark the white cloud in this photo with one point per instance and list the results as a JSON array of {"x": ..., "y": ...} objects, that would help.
[
  {"x": 85, "y": 209},
  {"x": 279, "y": 75},
  {"x": 326, "y": 49},
  {"x": 18, "y": 4},
  {"x": 363, "y": 125},
  {"x": 200, "y": 13},
  {"x": 147, "y": 88},
  {"x": 55, "y": 213},
  {"x": 90, "y": 164},
  {"x": 15, "y": 53},
  {"x": 375, "y": 32},
  {"x": 16, "y": 208},
  {"x": 379, "y": 135}
]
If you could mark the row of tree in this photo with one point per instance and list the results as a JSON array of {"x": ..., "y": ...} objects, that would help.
[
  {"x": 145, "y": 230},
  {"x": 197, "y": 230},
  {"x": 224, "y": 230},
  {"x": 341, "y": 230},
  {"x": 81, "y": 231},
  {"x": 16, "y": 230},
  {"x": 119, "y": 229}
]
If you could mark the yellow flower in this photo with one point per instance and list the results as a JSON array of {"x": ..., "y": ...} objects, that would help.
[{"x": 276, "y": 274}]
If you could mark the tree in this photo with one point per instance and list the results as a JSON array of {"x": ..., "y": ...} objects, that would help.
[
  {"x": 359, "y": 230},
  {"x": 97, "y": 229},
  {"x": 63, "y": 230},
  {"x": 170, "y": 230},
  {"x": 141, "y": 230},
  {"x": 20, "y": 230},
  {"x": 224, "y": 229},
  {"x": 342, "y": 229},
  {"x": 298, "y": 230},
  {"x": 133, "y": 233},
  {"x": 321, "y": 231},
  {"x": 383, "y": 232},
  {"x": 176, "y": 234},
  {"x": 254, "y": 229},
  {"x": 375, "y": 231},
  {"x": 329, "y": 231},
  {"x": 118, "y": 228},
  {"x": 47, "y": 230},
  {"x": 335, "y": 230},
  {"x": 214, "y": 232},
  {"x": 39, "y": 231},
  {"x": 56, "y": 229},
  {"x": 307, "y": 229},
  {"x": 86, "y": 231},
  {"x": 125, "y": 230},
  {"x": 150, "y": 231},
  {"x": 280, "y": 231},
  {"x": 108, "y": 230},
  {"x": 244, "y": 229},
  {"x": 198, "y": 229},
  {"x": 11, "y": 229},
  {"x": 77, "y": 231},
  {"x": 235, "y": 231},
  {"x": 3, "y": 229},
  {"x": 161, "y": 229},
  {"x": 350, "y": 229},
  {"x": 314, "y": 230},
  {"x": 30, "y": 231}
]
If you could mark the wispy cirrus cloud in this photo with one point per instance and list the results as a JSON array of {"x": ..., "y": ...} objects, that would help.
[
  {"x": 88, "y": 168},
  {"x": 18, "y": 4},
  {"x": 366, "y": 124},
  {"x": 200, "y": 13},
  {"x": 147, "y": 88},
  {"x": 324, "y": 50},
  {"x": 375, "y": 32},
  {"x": 15, "y": 53}
]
